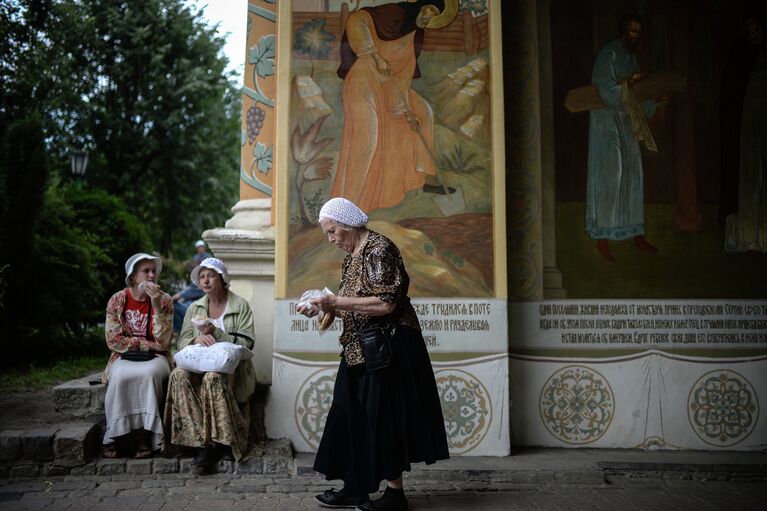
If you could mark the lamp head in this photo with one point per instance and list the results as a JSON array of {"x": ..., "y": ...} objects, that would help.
[{"x": 79, "y": 161}]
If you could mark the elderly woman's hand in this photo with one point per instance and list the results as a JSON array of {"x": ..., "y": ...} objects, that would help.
[
  {"x": 325, "y": 303},
  {"x": 207, "y": 328},
  {"x": 307, "y": 310},
  {"x": 205, "y": 340}
]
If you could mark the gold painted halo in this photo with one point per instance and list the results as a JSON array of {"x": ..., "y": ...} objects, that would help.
[{"x": 446, "y": 17}]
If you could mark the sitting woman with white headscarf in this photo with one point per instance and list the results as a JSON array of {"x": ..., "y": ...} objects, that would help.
[
  {"x": 138, "y": 329},
  {"x": 211, "y": 411}
]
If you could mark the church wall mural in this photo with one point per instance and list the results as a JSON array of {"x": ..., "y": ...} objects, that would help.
[
  {"x": 408, "y": 124},
  {"x": 637, "y": 273},
  {"x": 429, "y": 188},
  {"x": 686, "y": 217},
  {"x": 653, "y": 329}
]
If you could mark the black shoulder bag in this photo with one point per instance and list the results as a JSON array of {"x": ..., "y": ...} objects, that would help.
[
  {"x": 375, "y": 342},
  {"x": 137, "y": 355}
]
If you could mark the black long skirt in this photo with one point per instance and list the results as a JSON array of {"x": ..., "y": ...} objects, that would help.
[{"x": 382, "y": 421}]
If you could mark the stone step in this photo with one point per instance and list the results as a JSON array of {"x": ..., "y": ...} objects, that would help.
[
  {"x": 698, "y": 471},
  {"x": 530, "y": 468},
  {"x": 69, "y": 450},
  {"x": 74, "y": 445},
  {"x": 26, "y": 453},
  {"x": 482, "y": 472},
  {"x": 82, "y": 398}
]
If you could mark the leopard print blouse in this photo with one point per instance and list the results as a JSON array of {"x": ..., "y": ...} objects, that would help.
[{"x": 376, "y": 270}]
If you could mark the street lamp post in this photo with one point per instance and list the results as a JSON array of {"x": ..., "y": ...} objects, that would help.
[{"x": 79, "y": 161}]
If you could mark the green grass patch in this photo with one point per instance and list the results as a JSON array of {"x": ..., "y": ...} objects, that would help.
[{"x": 38, "y": 377}]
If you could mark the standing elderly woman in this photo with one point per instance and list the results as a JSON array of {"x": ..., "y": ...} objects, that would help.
[
  {"x": 138, "y": 330},
  {"x": 211, "y": 411},
  {"x": 380, "y": 421}
]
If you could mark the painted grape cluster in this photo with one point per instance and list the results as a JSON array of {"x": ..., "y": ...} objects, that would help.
[{"x": 255, "y": 121}]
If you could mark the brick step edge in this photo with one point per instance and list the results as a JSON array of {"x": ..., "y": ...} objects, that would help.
[
  {"x": 275, "y": 457},
  {"x": 592, "y": 475},
  {"x": 687, "y": 471},
  {"x": 693, "y": 467}
]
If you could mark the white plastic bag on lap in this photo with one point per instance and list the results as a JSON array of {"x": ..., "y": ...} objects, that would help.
[{"x": 221, "y": 357}]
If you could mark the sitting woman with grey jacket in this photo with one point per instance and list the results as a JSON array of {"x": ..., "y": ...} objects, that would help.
[{"x": 211, "y": 411}]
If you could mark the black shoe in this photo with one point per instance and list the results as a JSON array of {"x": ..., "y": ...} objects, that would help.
[
  {"x": 437, "y": 189},
  {"x": 340, "y": 500},
  {"x": 392, "y": 500},
  {"x": 206, "y": 458}
]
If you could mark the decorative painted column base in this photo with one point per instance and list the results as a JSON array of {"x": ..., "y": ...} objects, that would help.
[{"x": 246, "y": 245}]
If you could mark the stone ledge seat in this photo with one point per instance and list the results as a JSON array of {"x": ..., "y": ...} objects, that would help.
[
  {"x": 72, "y": 446},
  {"x": 81, "y": 398}
]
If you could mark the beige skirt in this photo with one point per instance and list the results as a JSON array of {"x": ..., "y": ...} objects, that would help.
[
  {"x": 201, "y": 409},
  {"x": 134, "y": 397}
]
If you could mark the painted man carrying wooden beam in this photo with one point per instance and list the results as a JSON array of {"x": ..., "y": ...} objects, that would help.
[{"x": 620, "y": 104}]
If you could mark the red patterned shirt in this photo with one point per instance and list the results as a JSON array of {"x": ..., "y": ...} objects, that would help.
[{"x": 136, "y": 315}]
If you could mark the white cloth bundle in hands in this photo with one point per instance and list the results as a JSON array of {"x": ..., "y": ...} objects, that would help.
[
  {"x": 221, "y": 357},
  {"x": 324, "y": 319}
]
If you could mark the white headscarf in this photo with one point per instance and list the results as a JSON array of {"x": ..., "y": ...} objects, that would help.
[
  {"x": 214, "y": 264},
  {"x": 343, "y": 211}
]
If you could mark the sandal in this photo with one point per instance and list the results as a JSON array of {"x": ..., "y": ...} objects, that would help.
[
  {"x": 143, "y": 452},
  {"x": 110, "y": 451}
]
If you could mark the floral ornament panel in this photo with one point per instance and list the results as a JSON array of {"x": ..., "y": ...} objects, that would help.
[
  {"x": 261, "y": 57},
  {"x": 577, "y": 405},
  {"x": 466, "y": 409},
  {"x": 723, "y": 408},
  {"x": 312, "y": 39},
  {"x": 313, "y": 404}
]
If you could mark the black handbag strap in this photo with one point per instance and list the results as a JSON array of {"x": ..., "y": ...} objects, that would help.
[
  {"x": 247, "y": 338},
  {"x": 149, "y": 319},
  {"x": 390, "y": 327}
]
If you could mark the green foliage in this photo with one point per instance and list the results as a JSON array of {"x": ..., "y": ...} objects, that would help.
[
  {"x": 62, "y": 253},
  {"x": 23, "y": 176},
  {"x": 76, "y": 261},
  {"x": 110, "y": 232},
  {"x": 143, "y": 87},
  {"x": 171, "y": 146},
  {"x": 34, "y": 377}
]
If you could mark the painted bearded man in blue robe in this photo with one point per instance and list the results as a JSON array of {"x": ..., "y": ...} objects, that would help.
[{"x": 615, "y": 187}]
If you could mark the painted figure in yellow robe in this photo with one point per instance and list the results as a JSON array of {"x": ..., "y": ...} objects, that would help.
[{"x": 382, "y": 155}]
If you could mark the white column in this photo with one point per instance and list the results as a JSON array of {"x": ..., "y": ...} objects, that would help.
[{"x": 246, "y": 245}]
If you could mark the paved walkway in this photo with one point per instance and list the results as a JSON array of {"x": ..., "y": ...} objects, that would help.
[
  {"x": 262, "y": 493},
  {"x": 534, "y": 479}
]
